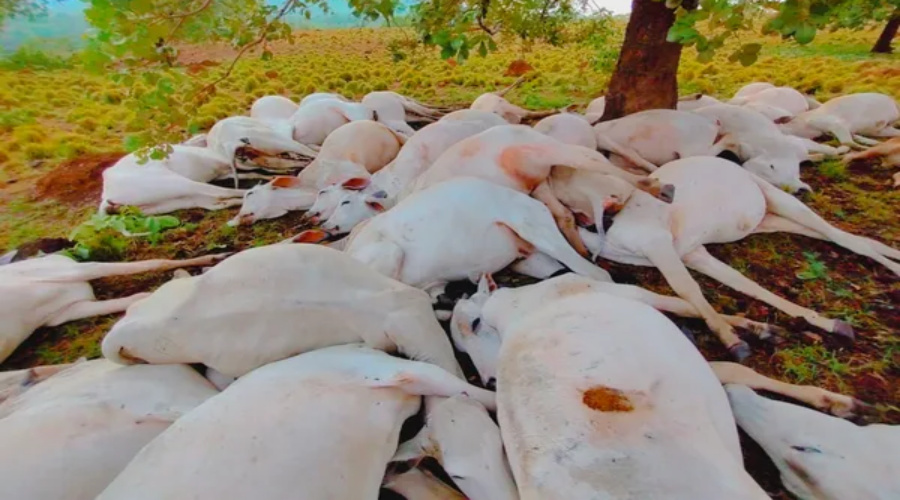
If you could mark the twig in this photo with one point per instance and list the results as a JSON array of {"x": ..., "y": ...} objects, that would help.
[
  {"x": 262, "y": 37},
  {"x": 485, "y": 4}
]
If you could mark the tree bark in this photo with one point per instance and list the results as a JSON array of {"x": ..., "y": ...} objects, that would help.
[
  {"x": 646, "y": 74},
  {"x": 883, "y": 45}
]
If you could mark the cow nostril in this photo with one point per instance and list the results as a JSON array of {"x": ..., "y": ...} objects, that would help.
[{"x": 491, "y": 384}]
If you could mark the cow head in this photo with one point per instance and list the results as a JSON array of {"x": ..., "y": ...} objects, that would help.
[
  {"x": 355, "y": 207},
  {"x": 470, "y": 335},
  {"x": 272, "y": 200}
]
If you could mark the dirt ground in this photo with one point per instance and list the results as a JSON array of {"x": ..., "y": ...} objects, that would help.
[{"x": 850, "y": 287}]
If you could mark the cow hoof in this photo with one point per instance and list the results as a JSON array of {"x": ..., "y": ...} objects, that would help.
[
  {"x": 844, "y": 329},
  {"x": 740, "y": 352}
]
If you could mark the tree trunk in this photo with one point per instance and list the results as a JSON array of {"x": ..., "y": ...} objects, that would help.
[
  {"x": 646, "y": 74},
  {"x": 883, "y": 45}
]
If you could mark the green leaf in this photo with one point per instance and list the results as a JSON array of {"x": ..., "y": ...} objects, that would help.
[
  {"x": 132, "y": 143},
  {"x": 266, "y": 55},
  {"x": 447, "y": 52},
  {"x": 482, "y": 49},
  {"x": 705, "y": 56},
  {"x": 805, "y": 33}
]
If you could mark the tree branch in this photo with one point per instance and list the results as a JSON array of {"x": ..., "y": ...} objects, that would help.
[
  {"x": 482, "y": 14},
  {"x": 262, "y": 37},
  {"x": 184, "y": 16}
]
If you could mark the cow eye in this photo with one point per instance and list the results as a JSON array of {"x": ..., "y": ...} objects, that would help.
[
  {"x": 475, "y": 323},
  {"x": 345, "y": 202},
  {"x": 772, "y": 167}
]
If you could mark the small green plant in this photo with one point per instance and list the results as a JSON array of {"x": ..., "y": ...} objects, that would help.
[
  {"x": 833, "y": 169},
  {"x": 814, "y": 270},
  {"x": 101, "y": 237}
]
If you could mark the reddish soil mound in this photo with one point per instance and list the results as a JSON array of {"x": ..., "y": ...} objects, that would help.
[
  {"x": 78, "y": 181},
  {"x": 518, "y": 68}
]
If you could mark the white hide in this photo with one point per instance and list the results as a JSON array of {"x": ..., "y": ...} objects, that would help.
[
  {"x": 494, "y": 103},
  {"x": 70, "y": 436},
  {"x": 694, "y": 102},
  {"x": 634, "y": 409},
  {"x": 389, "y": 110},
  {"x": 270, "y": 303},
  {"x": 662, "y": 135},
  {"x": 273, "y": 107},
  {"x": 318, "y": 96},
  {"x": 423, "y": 243},
  {"x": 764, "y": 150},
  {"x": 416, "y": 484},
  {"x": 353, "y": 151},
  {"x": 570, "y": 128},
  {"x": 595, "y": 109},
  {"x": 228, "y": 136},
  {"x": 785, "y": 98},
  {"x": 474, "y": 115},
  {"x": 352, "y": 207},
  {"x": 647, "y": 232},
  {"x": 176, "y": 182},
  {"x": 314, "y": 121},
  {"x": 52, "y": 290},
  {"x": 322, "y": 425},
  {"x": 461, "y": 436},
  {"x": 751, "y": 89},
  {"x": 866, "y": 114},
  {"x": 821, "y": 457}
]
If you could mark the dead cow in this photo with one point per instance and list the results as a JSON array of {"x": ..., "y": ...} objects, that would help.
[
  {"x": 176, "y": 182},
  {"x": 849, "y": 119},
  {"x": 422, "y": 243},
  {"x": 75, "y": 432},
  {"x": 670, "y": 237},
  {"x": 334, "y": 413},
  {"x": 270, "y": 303},
  {"x": 821, "y": 457},
  {"x": 494, "y": 102},
  {"x": 521, "y": 158},
  {"x": 607, "y": 375},
  {"x": 349, "y": 155},
  {"x": 52, "y": 290},
  {"x": 315, "y": 120},
  {"x": 250, "y": 144},
  {"x": 474, "y": 115}
]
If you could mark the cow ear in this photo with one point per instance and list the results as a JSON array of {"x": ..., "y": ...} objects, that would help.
[
  {"x": 285, "y": 181},
  {"x": 310, "y": 236},
  {"x": 783, "y": 119},
  {"x": 374, "y": 205},
  {"x": 355, "y": 184}
]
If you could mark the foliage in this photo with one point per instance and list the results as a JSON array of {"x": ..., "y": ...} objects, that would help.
[
  {"x": 32, "y": 57},
  {"x": 815, "y": 269},
  {"x": 100, "y": 238}
]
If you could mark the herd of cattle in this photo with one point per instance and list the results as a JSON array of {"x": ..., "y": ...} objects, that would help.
[{"x": 268, "y": 375}]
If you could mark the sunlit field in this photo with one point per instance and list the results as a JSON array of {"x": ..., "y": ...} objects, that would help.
[{"x": 60, "y": 125}]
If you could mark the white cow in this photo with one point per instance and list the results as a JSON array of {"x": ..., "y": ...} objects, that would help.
[
  {"x": 487, "y": 227},
  {"x": 389, "y": 110},
  {"x": 595, "y": 109},
  {"x": 821, "y": 457},
  {"x": 461, "y": 436},
  {"x": 849, "y": 118},
  {"x": 751, "y": 89},
  {"x": 315, "y": 120},
  {"x": 693, "y": 102},
  {"x": 52, "y": 290},
  {"x": 249, "y": 143},
  {"x": 276, "y": 111},
  {"x": 522, "y": 158},
  {"x": 474, "y": 115},
  {"x": 756, "y": 140},
  {"x": 785, "y": 98},
  {"x": 318, "y": 96},
  {"x": 592, "y": 404},
  {"x": 273, "y": 302},
  {"x": 350, "y": 153},
  {"x": 345, "y": 208},
  {"x": 70, "y": 436},
  {"x": 176, "y": 182},
  {"x": 662, "y": 135},
  {"x": 494, "y": 102},
  {"x": 648, "y": 232},
  {"x": 13, "y": 383},
  {"x": 322, "y": 425}
]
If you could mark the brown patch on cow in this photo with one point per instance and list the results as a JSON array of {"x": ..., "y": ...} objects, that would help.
[
  {"x": 78, "y": 181},
  {"x": 602, "y": 398},
  {"x": 518, "y": 68},
  {"x": 285, "y": 181},
  {"x": 568, "y": 289},
  {"x": 513, "y": 160},
  {"x": 470, "y": 149},
  {"x": 355, "y": 184},
  {"x": 310, "y": 236}
]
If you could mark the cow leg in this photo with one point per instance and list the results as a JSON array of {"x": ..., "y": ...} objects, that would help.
[
  {"x": 815, "y": 147},
  {"x": 607, "y": 144},
  {"x": 780, "y": 203},
  {"x": 563, "y": 216},
  {"x": 425, "y": 379},
  {"x": 685, "y": 309},
  {"x": 538, "y": 265},
  {"x": 827, "y": 401},
  {"x": 777, "y": 224},
  {"x": 887, "y": 132},
  {"x": 87, "y": 271},
  {"x": 89, "y": 308},
  {"x": 865, "y": 141},
  {"x": 701, "y": 261},
  {"x": 663, "y": 255}
]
